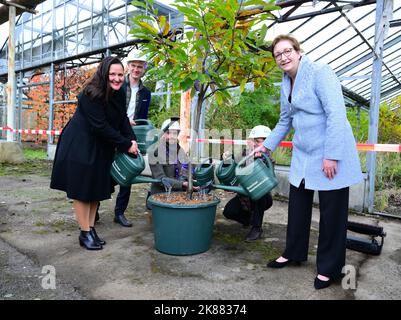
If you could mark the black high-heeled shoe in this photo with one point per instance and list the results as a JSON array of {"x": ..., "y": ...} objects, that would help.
[
  {"x": 277, "y": 265},
  {"x": 321, "y": 284},
  {"x": 87, "y": 240},
  {"x": 96, "y": 237}
]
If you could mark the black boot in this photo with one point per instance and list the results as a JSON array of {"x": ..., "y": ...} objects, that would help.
[
  {"x": 121, "y": 219},
  {"x": 254, "y": 234},
  {"x": 86, "y": 240},
  {"x": 96, "y": 237}
]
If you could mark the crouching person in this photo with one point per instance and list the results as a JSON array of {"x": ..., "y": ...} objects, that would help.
[
  {"x": 241, "y": 208},
  {"x": 168, "y": 162}
]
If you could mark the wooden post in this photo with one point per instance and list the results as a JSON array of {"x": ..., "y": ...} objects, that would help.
[
  {"x": 11, "y": 74},
  {"x": 185, "y": 111}
]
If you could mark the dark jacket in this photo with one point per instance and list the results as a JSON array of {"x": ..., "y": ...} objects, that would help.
[
  {"x": 86, "y": 147},
  {"x": 143, "y": 97}
]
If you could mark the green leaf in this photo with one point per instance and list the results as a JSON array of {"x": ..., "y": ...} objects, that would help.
[
  {"x": 148, "y": 27},
  {"x": 262, "y": 35},
  {"x": 242, "y": 86},
  {"x": 189, "y": 35},
  {"x": 271, "y": 7},
  {"x": 209, "y": 18},
  {"x": 186, "y": 84},
  {"x": 254, "y": 3},
  {"x": 219, "y": 97},
  {"x": 188, "y": 11},
  {"x": 139, "y": 4},
  {"x": 143, "y": 17},
  {"x": 180, "y": 54}
]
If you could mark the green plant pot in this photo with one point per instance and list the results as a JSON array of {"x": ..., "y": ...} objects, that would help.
[{"x": 183, "y": 229}]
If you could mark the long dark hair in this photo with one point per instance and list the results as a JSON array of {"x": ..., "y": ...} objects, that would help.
[{"x": 98, "y": 87}]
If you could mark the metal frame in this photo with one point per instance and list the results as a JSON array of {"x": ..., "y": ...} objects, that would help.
[
  {"x": 69, "y": 34},
  {"x": 345, "y": 39},
  {"x": 74, "y": 30}
]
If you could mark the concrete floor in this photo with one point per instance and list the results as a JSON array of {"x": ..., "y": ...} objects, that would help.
[{"x": 37, "y": 230}]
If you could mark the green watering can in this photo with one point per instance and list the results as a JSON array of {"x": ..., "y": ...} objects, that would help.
[
  {"x": 126, "y": 169},
  {"x": 145, "y": 134},
  {"x": 225, "y": 172},
  {"x": 204, "y": 172},
  {"x": 255, "y": 179},
  {"x": 204, "y": 176}
]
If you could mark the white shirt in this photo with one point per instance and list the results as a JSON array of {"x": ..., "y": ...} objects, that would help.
[{"x": 132, "y": 102}]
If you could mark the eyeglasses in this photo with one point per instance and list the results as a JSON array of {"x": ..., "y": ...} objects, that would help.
[{"x": 287, "y": 52}]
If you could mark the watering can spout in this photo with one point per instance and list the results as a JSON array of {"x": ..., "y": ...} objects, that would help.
[
  {"x": 142, "y": 179},
  {"x": 238, "y": 189}
]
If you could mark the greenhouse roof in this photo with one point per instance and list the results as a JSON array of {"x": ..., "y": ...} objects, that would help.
[
  {"x": 29, "y": 4},
  {"x": 341, "y": 34}
]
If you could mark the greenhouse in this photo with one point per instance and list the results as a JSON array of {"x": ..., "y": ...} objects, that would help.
[{"x": 219, "y": 76}]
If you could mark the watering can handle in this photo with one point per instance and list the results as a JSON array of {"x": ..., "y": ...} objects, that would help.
[
  {"x": 243, "y": 160},
  {"x": 249, "y": 156},
  {"x": 210, "y": 160},
  {"x": 142, "y": 121},
  {"x": 120, "y": 153},
  {"x": 172, "y": 120},
  {"x": 268, "y": 160}
]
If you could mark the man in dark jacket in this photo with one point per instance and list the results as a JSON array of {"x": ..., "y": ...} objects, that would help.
[{"x": 137, "y": 104}]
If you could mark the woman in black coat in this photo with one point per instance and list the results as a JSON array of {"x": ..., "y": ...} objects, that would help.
[{"x": 86, "y": 147}]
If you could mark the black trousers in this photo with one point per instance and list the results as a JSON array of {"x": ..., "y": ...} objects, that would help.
[
  {"x": 122, "y": 200},
  {"x": 234, "y": 210},
  {"x": 333, "y": 207}
]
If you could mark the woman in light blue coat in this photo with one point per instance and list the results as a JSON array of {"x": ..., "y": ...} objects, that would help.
[{"x": 324, "y": 159}]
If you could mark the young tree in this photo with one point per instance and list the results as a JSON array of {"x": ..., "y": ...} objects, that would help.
[{"x": 221, "y": 45}]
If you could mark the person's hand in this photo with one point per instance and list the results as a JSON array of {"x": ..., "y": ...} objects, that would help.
[
  {"x": 329, "y": 168},
  {"x": 259, "y": 150},
  {"x": 226, "y": 155},
  {"x": 194, "y": 188},
  {"x": 257, "y": 154},
  {"x": 134, "y": 147},
  {"x": 132, "y": 122}
]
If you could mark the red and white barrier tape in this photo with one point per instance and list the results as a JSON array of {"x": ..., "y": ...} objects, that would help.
[
  {"x": 284, "y": 144},
  {"x": 222, "y": 141},
  {"x": 288, "y": 144},
  {"x": 378, "y": 147},
  {"x": 32, "y": 131}
]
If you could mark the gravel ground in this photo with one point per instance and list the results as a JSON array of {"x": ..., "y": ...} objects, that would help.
[{"x": 38, "y": 229}]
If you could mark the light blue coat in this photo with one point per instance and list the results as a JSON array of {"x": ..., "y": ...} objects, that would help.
[{"x": 322, "y": 131}]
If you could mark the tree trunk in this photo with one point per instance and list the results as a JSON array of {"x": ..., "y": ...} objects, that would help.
[{"x": 194, "y": 136}]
